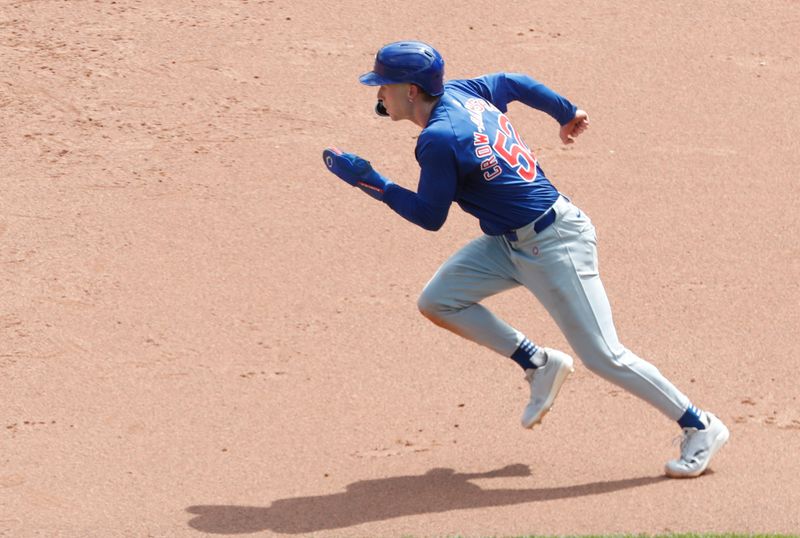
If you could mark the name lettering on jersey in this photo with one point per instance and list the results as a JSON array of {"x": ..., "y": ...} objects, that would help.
[
  {"x": 480, "y": 139},
  {"x": 483, "y": 149}
]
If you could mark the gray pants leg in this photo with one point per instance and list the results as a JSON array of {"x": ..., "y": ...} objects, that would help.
[{"x": 559, "y": 266}]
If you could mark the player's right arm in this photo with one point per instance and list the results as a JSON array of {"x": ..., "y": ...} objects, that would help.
[
  {"x": 575, "y": 127},
  {"x": 533, "y": 93},
  {"x": 503, "y": 88}
]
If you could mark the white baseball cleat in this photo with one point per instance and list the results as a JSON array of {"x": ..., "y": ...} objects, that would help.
[
  {"x": 697, "y": 449},
  {"x": 545, "y": 383}
]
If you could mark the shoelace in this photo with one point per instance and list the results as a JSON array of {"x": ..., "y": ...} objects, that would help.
[{"x": 684, "y": 440}]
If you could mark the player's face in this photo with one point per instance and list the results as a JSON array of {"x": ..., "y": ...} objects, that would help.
[{"x": 395, "y": 99}]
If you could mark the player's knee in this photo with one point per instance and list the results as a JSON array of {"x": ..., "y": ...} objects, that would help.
[
  {"x": 433, "y": 305},
  {"x": 429, "y": 306}
]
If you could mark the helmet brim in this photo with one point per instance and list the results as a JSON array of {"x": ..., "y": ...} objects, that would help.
[{"x": 374, "y": 79}]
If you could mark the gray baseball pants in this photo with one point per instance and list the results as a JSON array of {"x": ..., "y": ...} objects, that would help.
[{"x": 559, "y": 266}]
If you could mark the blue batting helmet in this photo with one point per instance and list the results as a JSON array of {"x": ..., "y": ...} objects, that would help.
[{"x": 408, "y": 61}]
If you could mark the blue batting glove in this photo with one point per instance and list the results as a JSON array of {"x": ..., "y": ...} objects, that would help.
[{"x": 356, "y": 171}]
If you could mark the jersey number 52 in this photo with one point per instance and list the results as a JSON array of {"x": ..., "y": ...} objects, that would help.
[{"x": 510, "y": 147}]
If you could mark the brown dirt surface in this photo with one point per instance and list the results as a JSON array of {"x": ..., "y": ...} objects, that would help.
[{"x": 204, "y": 332}]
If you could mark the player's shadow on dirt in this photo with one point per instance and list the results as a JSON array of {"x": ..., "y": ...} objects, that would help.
[{"x": 438, "y": 490}]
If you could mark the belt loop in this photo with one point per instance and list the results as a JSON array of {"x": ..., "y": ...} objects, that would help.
[{"x": 545, "y": 220}]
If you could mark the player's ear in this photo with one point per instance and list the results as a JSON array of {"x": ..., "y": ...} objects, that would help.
[{"x": 413, "y": 92}]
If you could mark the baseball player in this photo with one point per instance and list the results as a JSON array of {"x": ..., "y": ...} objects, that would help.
[{"x": 533, "y": 236}]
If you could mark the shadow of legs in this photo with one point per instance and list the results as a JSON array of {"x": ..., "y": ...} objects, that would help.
[{"x": 438, "y": 490}]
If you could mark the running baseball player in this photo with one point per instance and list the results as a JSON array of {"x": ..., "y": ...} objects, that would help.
[{"x": 533, "y": 236}]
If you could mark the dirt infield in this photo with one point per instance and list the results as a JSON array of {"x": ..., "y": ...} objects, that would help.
[{"x": 202, "y": 331}]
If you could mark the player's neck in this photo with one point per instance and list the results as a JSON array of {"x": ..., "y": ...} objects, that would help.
[{"x": 421, "y": 112}]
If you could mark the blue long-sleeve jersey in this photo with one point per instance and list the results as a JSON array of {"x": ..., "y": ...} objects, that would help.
[{"x": 471, "y": 154}]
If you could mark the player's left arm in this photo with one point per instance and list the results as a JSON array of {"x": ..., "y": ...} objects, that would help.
[
  {"x": 436, "y": 190},
  {"x": 427, "y": 208},
  {"x": 356, "y": 172}
]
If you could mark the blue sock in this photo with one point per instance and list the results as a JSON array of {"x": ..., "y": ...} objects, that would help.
[
  {"x": 524, "y": 353},
  {"x": 693, "y": 418}
]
